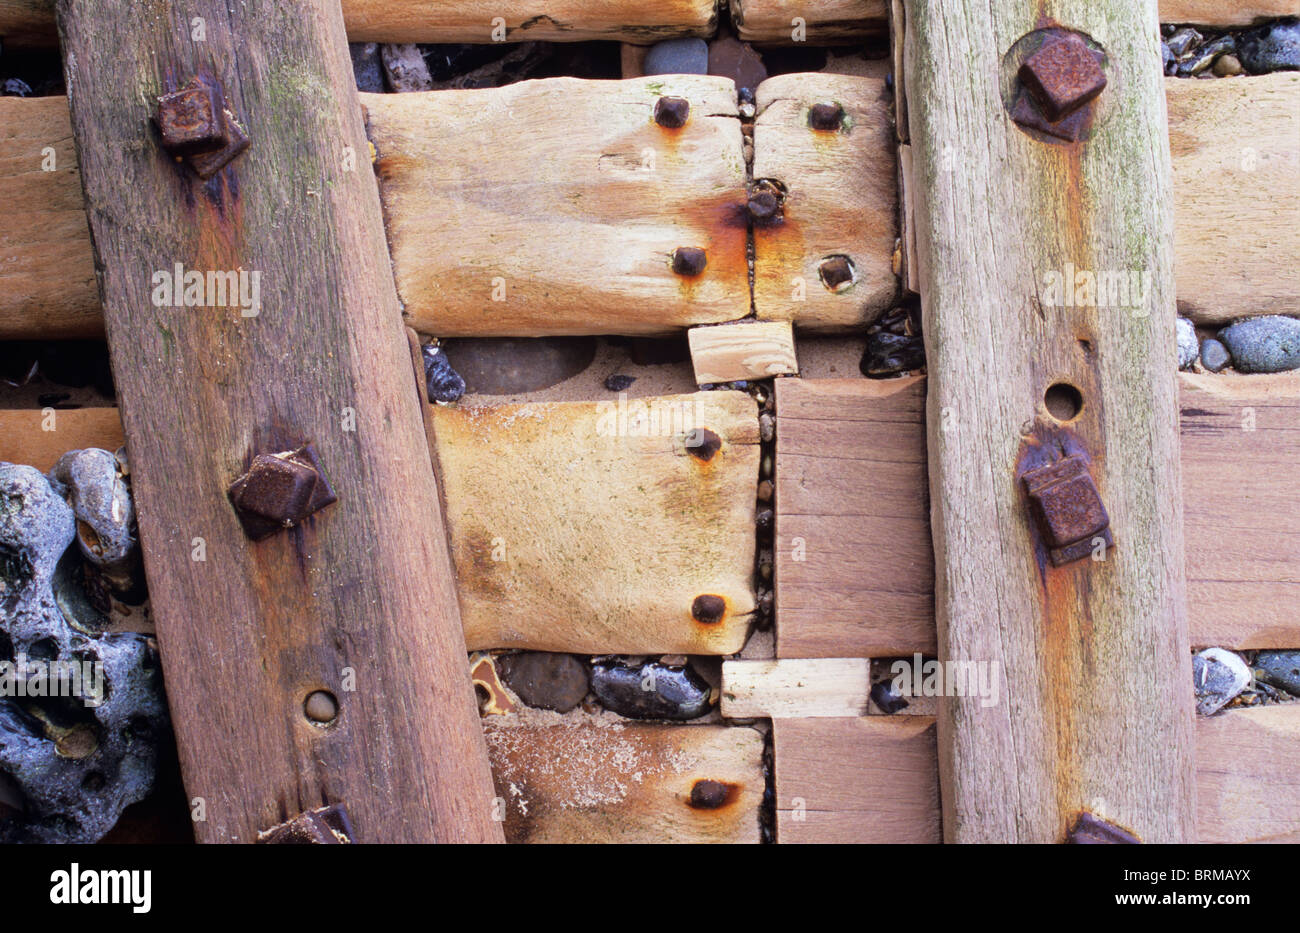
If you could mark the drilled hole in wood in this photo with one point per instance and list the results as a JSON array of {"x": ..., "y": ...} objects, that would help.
[{"x": 1063, "y": 401}]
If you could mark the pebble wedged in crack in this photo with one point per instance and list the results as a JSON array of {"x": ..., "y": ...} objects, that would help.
[
  {"x": 1279, "y": 669},
  {"x": 1186, "y": 343},
  {"x": 677, "y": 57},
  {"x": 651, "y": 690},
  {"x": 1218, "y": 675},
  {"x": 92, "y": 482},
  {"x": 1268, "y": 344},
  {"x": 1271, "y": 48},
  {"x": 545, "y": 679},
  {"x": 75, "y": 766},
  {"x": 443, "y": 382}
]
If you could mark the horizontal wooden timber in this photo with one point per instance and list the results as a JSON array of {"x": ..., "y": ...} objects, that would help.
[
  {"x": 742, "y": 351},
  {"x": 854, "y": 573},
  {"x": 463, "y": 20},
  {"x": 606, "y": 781},
  {"x": 1235, "y": 145},
  {"x": 575, "y": 526},
  {"x": 876, "y": 778},
  {"x": 841, "y": 200},
  {"x": 555, "y": 206},
  {"x": 1218, "y": 13},
  {"x": 815, "y": 22},
  {"x": 1234, "y": 155},
  {"x": 795, "y": 688}
]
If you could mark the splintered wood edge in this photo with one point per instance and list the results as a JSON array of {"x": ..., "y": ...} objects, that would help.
[
  {"x": 796, "y": 688},
  {"x": 742, "y": 351}
]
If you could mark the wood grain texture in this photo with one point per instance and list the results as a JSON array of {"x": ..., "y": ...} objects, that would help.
[
  {"x": 1218, "y": 13},
  {"x": 794, "y": 688},
  {"x": 826, "y": 22},
  {"x": 1075, "y": 729},
  {"x": 1237, "y": 142},
  {"x": 854, "y": 563},
  {"x": 856, "y": 780},
  {"x": 247, "y": 633},
  {"x": 842, "y": 199},
  {"x": 742, "y": 351},
  {"x": 47, "y": 272},
  {"x": 1248, "y": 775},
  {"x": 588, "y": 527},
  {"x": 564, "y": 199},
  {"x": 1241, "y": 442},
  {"x": 610, "y": 782},
  {"x": 25, "y": 439}
]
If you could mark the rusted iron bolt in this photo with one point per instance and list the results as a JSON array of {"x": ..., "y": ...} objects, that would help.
[
  {"x": 709, "y": 795},
  {"x": 1092, "y": 830},
  {"x": 190, "y": 120},
  {"x": 1068, "y": 508},
  {"x": 689, "y": 260},
  {"x": 1063, "y": 76},
  {"x": 702, "y": 444},
  {"x": 321, "y": 707},
  {"x": 322, "y": 826},
  {"x": 207, "y": 164},
  {"x": 763, "y": 205},
  {"x": 280, "y": 490},
  {"x": 836, "y": 272},
  {"x": 708, "y": 609},
  {"x": 825, "y": 116},
  {"x": 672, "y": 112}
]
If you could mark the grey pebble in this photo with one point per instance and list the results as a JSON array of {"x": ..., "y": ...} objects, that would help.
[
  {"x": 1218, "y": 675},
  {"x": 92, "y": 483},
  {"x": 1186, "y": 343},
  {"x": 366, "y": 67},
  {"x": 1182, "y": 40},
  {"x": 1279, "y": 669},
  {"x": 444, "y": 383},
  {"x": 651, "y": 690},
  {"x": 1271, "y": 48},
  {"x": 1268, "y": 344},
  {"x": 405, "y": 67},
  {"x": 677, "y": 57},
  {"x": 1214, "y": 355},
  {"x": 546, "y": 679}
]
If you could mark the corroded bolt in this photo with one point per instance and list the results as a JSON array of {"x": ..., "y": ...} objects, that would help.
[
  {"x": 321, "y": 707},
  {"x": 825, "y": 116},
  {"x": 190, "y": 120},
  {"x": 708, "y": 608},
  {"x": 280, "y": 490},
  {"x": 1092, "y": 830},
  {"x": 835, "y": 272},
  {"x": 763, "y": 205},
  {"x": 207, "y": 164},
  {"x": 702, "y": 444},
  {"x": 1068, "y": 508},
  {"x": 672, "y": 112},
  {"x": 709, "y": 795},
  {"x": 1062, "y": 76},
  {"x": 322, "y": 826},
  {"x": 689, "y": 260}
]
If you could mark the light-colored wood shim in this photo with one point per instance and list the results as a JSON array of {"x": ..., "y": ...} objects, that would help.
[
  {"x": 256, "y": 627},
  {"x": 842, "y": 199},
  {"x": 897, "y": 32},
  {"x": 611, "y": 782},
  {"x": 795, "y": 688},
  {"x": 47, "y": 272},
  {"x": 1236, "y": 157},
  {"x": 824, "y": 22},
  {"x": 1071, "y": 729},
  {"x": 911, "y": 277},
  {"x": 565, "y": 200},
  {"x": 1247, "y": 778},
  {"x": 588, "y": 527},
  {"x": 25, "y": 438},
  {"x": 856, "y": 780},
  {"x": 738, "y": 352},
  {"x": 854, "y": 564},
  {"x": 1218, "y": 13},
  {"x": 1248, "y": 775},
  {"x": 464, "y": 20},
  {"x": 1241, "y": 443}
]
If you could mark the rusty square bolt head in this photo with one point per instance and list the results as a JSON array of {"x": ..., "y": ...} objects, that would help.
[
  {"x": 1092, "y": 830},
  {"x": 207, "y": 164},
  {"x": 190, "y": 120},
  {"x": 280, "y": 490},
  {"x": 672, "y": 112},
  {"x": 1068, "y": 508},
  {"x": 825, "y": 116},
  {"x": 763, "y": 205},
  {"x": 689, "y": 260},
  {"x": 1062, "y": 76},
  {"x": 322, "y": 826},
  {"x": 836, "y": 272}
]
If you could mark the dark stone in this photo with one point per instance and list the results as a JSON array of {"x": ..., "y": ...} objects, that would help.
[
  {"x": 617, "y": 382},
  {"x": 1181, "y": 42},
  {"x": 1279, "y": 669},
  {"x": 513, "y": 365},
  {"x": 890, "y": 354},
  {"x": 1271, "y": 48},
  {"x": 366, "y": 67},
  {"x": 677, "y": 57},
  {"x": 1214, "y": 355},
  {"x": 1268, "y": 344},
  {"x": 15, "y": 87},
  {"x": 731, "y": 58},
  {"x": 650, "y": 691},
  {"x": 889, "y": 702},
  {"x": 545, "y": 679}
]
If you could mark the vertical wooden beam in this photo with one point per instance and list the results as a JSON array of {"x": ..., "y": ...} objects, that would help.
[
  {"x": 358, "y": 599},
  {"x": 1096, "y": 708}
]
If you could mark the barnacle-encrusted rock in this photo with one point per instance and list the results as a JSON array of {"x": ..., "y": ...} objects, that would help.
[{"x": 80, "y": 714}]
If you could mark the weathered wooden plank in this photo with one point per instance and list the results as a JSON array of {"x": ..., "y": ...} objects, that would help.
[
  {"x": 825, "y": 22},
  {"x": 255, "y": 628},
  {"x": 841, "y": 200},
  {"x": 40, "y": 437},
  {"x": 592, "y": 528},
  {"x": 555, "y": 206},
  {"x": 1247, "y": 762},
  {"x": 47, "y": 273},
  {"x": 1240, "y": 444},
  {"x": 795, "y": 688},
  {"x": 742, "y": 351},
  {"x": 1218, "y": 13},
  {"x": 1070, "y": 731},
  {"x": 1236, "y": 143},
  {"x": 856, "y": 780},
  {"x": 606, "y": 781},
  {"x": 854, "y": 563}
]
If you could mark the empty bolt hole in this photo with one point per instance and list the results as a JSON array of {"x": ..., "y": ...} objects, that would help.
[
  {"x": 321, "y": 707},
  {"x": 1063, "y": 401}
]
